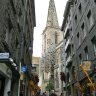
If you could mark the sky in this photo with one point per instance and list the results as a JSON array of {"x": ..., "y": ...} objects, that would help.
[{"x": 41, "y": 11}]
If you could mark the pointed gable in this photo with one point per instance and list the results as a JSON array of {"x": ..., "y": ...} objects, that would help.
[{"x": 52, "y": 20}]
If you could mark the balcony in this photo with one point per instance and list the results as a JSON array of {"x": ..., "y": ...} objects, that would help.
[
  {"x": 68, "y": 44},
  {"x": 69, "y": 60}
]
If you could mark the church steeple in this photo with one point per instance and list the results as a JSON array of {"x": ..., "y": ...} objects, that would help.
[{"x": 52, "y": 20}]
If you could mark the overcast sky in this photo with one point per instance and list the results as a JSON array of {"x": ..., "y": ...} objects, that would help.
[{"x": 41, "y": 10}]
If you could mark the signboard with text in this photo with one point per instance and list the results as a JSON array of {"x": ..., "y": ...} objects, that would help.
[
  {"x": 24, "y": 68},
  {"x": 87, "y": 65},
  {"x": 4, "y": 55}
]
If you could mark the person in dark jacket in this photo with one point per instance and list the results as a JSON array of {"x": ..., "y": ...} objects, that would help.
[
  {"x": 61, "y": 94},
  {"x": 9, "y": 93},
  {"x": 53, "y": 94}
]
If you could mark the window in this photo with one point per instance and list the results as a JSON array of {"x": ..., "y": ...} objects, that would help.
[
  {"x": 95, "y": 1},
  {"x": 43, "y": 76},
  {"x": 10, "y": 25},
  {"x": 69, "y": 15},
  {"x": 86, "y": 53},
  {"x": 44, "y": 43},
  {"x": 75, "y": 1},
  {"x": 73, "y": 49},
  {"x": 83, "y": 29},
  {"x": 56, "y": 36},
  {"x": 17, "y": 42},
  {"x": 22, "y": 2},
  {"x": 34, "y": 69},
  {"x": 56, "y": 80},
  {"x": 13, "y": 7},
  {"x": 71, "y": 31},
  {"x": 90, "y": 18},
  {"x": 80, "y": 8},
  {"x": 75, "y": 18},
  {"x": 94, "y": 44},
  {"x": 48, "y": 41},
  {"x": 78, "y": 38},
  {"x": 80, "y": 58},
  {"x": 19, "y": 27},
  {"x": 6, "y": 36}
]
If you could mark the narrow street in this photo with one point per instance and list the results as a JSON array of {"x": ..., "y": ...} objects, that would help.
[{"x": 65, "y": 63}]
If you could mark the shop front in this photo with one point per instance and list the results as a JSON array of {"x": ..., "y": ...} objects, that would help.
[
  {"x": 9, "y": 76},
  {"x": 2, "y": 84},
  {"x": 5, "y": 79},
  {"x": 87, "y": 83}
]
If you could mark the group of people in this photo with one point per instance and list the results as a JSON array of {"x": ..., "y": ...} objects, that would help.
[{"x": 52, "y": 93}]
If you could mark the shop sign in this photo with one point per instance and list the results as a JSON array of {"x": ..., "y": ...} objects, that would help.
[
  {"x": 87, "y": 65},
  {"x": 4, "y": 55},
  {"x": 24, "y": 68},
  {"x": 89, "y": 84}
]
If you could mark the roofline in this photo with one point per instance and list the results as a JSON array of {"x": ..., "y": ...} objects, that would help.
[{"x": 66, "y": 12}]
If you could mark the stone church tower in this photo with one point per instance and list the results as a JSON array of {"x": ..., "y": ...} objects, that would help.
[{"x": 51, "y": 37}]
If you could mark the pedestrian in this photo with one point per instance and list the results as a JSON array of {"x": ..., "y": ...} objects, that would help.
[
  {"x": 9, "y": 93},
  {"x": 61, "y": 94},
  {"x": 21, "y": 93},
  {"x": 53, "y": 94},
  {"x": 43, "y": 94}
]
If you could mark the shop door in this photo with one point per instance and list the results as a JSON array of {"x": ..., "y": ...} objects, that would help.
[{"x": 2, "y": 84}]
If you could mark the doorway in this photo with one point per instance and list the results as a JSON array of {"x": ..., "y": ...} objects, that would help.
[{"x": 2, "y": 84}]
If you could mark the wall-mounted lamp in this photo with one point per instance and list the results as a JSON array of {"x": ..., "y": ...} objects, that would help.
[
  {"x": 11, "y": 60},
  {"x": 14, "y": 64}
]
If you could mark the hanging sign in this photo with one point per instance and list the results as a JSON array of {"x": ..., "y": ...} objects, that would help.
[
  {"x": 4, "y": 55},
  {"x": 87, "y": 65},
  {"x": 24, "y": 68}
]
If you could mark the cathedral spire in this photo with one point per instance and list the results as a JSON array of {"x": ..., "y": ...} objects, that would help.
[{"x": 52, "y": 20}]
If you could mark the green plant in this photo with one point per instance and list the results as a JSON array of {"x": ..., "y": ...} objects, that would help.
[{"x": 50, "y": 86}]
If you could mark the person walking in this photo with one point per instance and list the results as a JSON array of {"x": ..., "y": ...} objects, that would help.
[
  {"x": 9, "y": 93},
  {"x": 61, "y": 94},
  {"x": 43, "y": 94}
]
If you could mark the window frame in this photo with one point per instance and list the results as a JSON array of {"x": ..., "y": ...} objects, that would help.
[{"x": 90, "y": 19}]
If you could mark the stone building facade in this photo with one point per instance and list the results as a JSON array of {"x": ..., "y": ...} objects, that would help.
[
  {"x": 79, "y": 26},
  {"x": 58, "y": 67},
  {"x": 17, "y": 22},
  {"x": 52, "y": 41}
]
